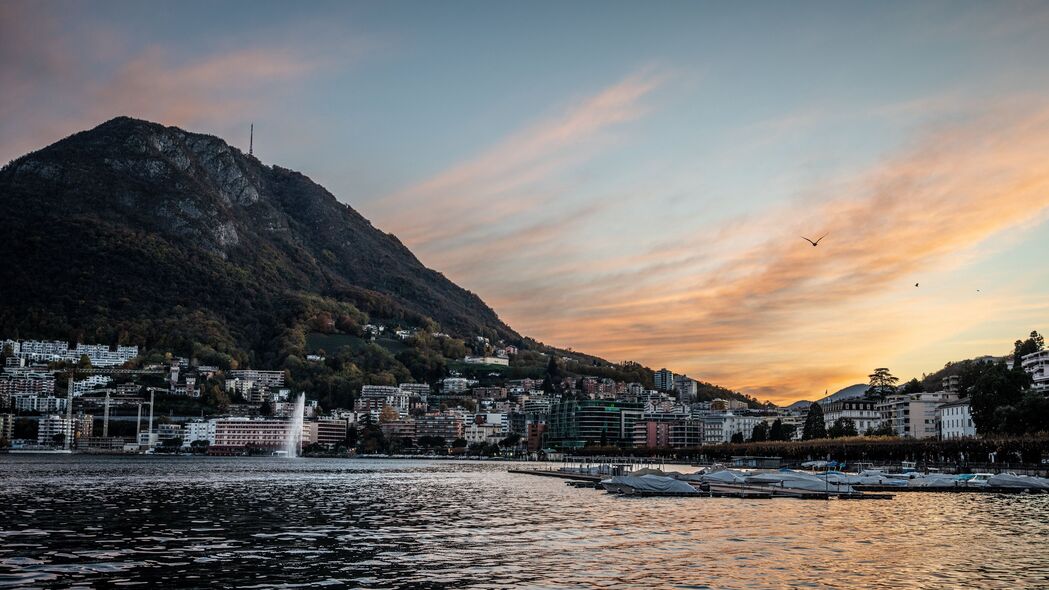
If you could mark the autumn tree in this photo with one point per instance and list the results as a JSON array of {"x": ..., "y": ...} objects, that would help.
[{"x": 388, "y": 414}]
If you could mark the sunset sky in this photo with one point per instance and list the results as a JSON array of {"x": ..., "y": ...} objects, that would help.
[{"x": 628, "y": 180}]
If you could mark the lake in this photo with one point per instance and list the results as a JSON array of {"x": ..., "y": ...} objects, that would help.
[{"x": 89, "y": 521}]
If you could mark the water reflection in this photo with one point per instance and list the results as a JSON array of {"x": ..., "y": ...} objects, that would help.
[{"x": 265, "y": 523}]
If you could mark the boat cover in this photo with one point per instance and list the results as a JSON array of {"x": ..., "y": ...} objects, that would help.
[
  {"x": 799, "y": 481},
  {"x": 722, "y": 476},
  {"x": 647, "y": 471},
  {"x": 1008, "y": 480},
  {"x": 935, "y": 480},
  {"x": 649, "y": 483}
]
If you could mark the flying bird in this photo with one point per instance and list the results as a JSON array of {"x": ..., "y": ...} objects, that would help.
[
  {"x": 816, "y": 243},
  {"x": 915, "y": 284}
]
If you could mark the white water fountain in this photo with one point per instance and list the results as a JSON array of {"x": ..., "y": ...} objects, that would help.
[{"x": 293, "y": 440}]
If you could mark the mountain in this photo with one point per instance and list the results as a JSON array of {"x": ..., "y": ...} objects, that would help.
[
  {"x": 152, "y": 235},
  {"x": 850, "y": 392},
  {"x": 136, "y": 233}
]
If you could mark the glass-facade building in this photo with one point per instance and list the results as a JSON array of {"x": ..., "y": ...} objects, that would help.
[{"x": 575, "y": 424}]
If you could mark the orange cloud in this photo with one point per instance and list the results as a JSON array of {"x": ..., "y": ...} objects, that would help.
[
  {"x": 746, "y": 303},
  {"x": 764, "y": 319}
]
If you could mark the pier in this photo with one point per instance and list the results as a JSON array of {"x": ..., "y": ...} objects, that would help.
[
  {"x": 706, "y": 490},
  {"x": 951, "y": 489}
]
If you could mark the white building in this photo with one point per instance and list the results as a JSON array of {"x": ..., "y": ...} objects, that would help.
[
  {"x": 956, "y": 420},
  {"x": 202, "y": 430},
  {"x": 241, "y": 387},
  {"x": 274, "y": 379},
  {"x": 456, "y": 384},
  {"x": 482, "y": 433},
  {"x": 82, "y": 386},
  {"x": 375, "y": 397},
  {"x": 863, "y": 413},
  {"x": 719, "y": 428},
  {"x": 43, "y": 350},
  {"x": 44, "y": 404},
  {"x": 1037, "y": 366},
  {"x": 914, "y": 415},
  {"x": 100, "y": 355},
  {"x": 487, "y": 360},
  {"x": 52, "y": 426},
  {"x": 417, "y": 389}
]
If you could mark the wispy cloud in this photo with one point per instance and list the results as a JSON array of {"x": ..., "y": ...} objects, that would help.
[{"x": 444, "y": 216}]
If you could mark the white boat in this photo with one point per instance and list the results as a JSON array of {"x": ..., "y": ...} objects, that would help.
[
  {"x": 647, "y": 485},
  {"x": 1009, "y": 480},
  {"x": 796, "y": 480}
]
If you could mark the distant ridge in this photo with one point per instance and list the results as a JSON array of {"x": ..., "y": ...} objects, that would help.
[{"x": 850, "y": 392}]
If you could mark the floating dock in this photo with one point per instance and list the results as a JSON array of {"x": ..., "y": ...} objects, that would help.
[
  {"x": 560, "y": 474},
  {"x": 713, "y": 490},
  {"x": 950, "y": 489}
]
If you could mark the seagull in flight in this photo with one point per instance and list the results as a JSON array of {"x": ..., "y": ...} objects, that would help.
[{"x": 816, "y": 243}]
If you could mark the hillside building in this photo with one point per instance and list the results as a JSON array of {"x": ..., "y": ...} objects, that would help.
[
  {"x": 664, "y": 380},
  {"x": 1037, "y": 366}
]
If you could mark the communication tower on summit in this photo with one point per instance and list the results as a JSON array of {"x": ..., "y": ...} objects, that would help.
[{"x": 251, "y": 141}]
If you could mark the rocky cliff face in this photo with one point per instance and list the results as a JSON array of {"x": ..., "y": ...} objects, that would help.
[{"x": 136, "y": 221}]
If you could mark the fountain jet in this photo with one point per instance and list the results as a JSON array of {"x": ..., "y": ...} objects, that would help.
[{"x": 293, "y": 440}]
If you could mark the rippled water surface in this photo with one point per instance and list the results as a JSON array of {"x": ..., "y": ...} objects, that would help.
[{"x": 263, "y": 523}]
